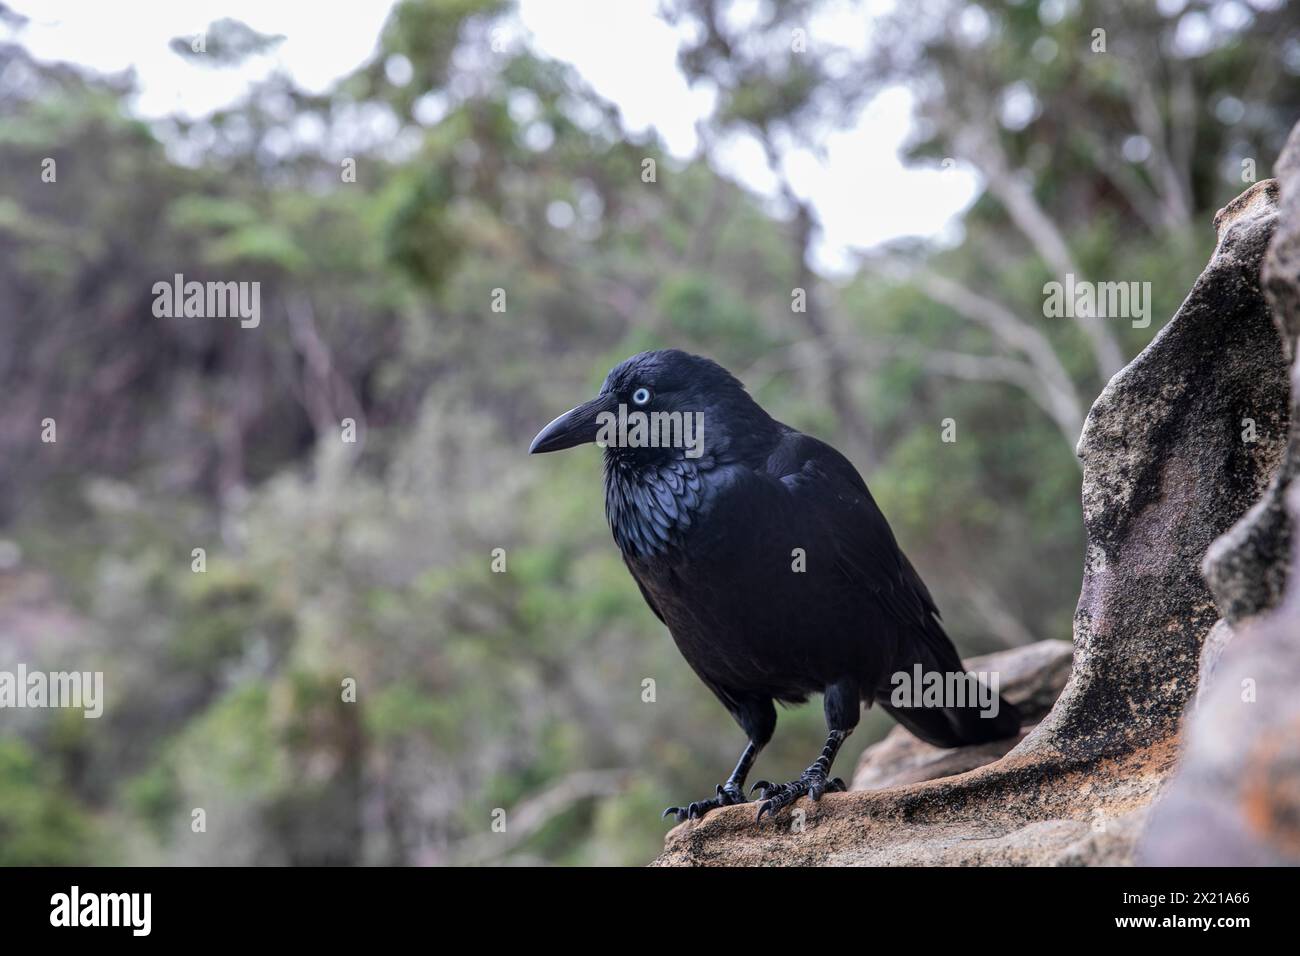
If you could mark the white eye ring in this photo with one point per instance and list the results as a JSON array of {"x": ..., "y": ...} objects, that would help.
[{"x": 641, "y": 396}]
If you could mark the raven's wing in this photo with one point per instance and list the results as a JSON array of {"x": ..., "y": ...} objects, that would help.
[{"x": 833, "y": 500}]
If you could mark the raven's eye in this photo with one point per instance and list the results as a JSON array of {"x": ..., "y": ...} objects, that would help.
[{"x": 641, "y": 396}]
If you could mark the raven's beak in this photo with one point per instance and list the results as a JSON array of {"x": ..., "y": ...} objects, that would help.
[{"x": 577, "y": 426}]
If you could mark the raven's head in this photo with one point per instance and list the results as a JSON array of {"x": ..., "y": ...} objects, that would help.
[{"x": 662, "y": 406}]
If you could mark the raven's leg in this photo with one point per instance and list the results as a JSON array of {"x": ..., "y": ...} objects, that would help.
[
  {"x": 733, "y": 791},
  {"x": 843, "y": 707},
  {"x": 758, "y": 719}
]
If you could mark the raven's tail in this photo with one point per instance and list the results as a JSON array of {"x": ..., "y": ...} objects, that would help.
[{"x": 958, "y": 711}]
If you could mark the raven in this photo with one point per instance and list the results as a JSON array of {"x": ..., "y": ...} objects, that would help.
[{"x": 777, "y": 575}]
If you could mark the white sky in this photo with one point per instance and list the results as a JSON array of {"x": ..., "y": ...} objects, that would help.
[{"x": 860, "y": 189}]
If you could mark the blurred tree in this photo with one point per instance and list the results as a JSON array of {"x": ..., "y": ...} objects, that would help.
[
  {"x": 776, "y": 84},
  {"x": 1075, "y": 114}
]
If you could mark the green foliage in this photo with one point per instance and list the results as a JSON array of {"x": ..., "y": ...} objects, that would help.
[
  {"x": 41, "y": 823},
  {"x": 419, "y": 239}
]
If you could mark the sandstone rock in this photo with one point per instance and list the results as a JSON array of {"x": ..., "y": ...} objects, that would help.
[
  {"x": 1215, "y": 643},
  {"x": 1235, "y": 800},
  {"x": 1015, "y": 812},
  {"x": 1165, "y": 473},
  {"x": 1247, "y": 566},
  {"x": 1236, "y": 796},
  {"x": 1031, "y": 678}
]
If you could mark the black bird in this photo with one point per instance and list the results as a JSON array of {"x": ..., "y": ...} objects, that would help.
[{"x": 777, "y": 575}]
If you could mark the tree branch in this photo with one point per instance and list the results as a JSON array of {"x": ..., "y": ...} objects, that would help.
[
  {"x": 1056, "y": 391},
  {"x": 983, "y": 149}
]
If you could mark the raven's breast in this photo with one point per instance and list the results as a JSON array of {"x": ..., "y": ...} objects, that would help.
[
  {"x": 717, "y": 556},
  {"x": 651, "y": 508}
]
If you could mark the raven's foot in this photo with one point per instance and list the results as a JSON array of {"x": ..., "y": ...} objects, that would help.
[
  {"x": 812, "y": 783},
  {"x": 728, "y": 793}
]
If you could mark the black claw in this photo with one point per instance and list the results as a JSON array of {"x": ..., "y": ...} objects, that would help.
[
  {"x": 723, "y": 797},
  {"x": 776, "y": 798},
  {"x": 772, "y": 806}
]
